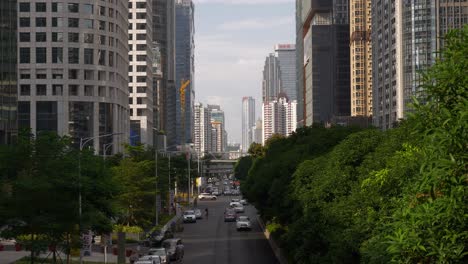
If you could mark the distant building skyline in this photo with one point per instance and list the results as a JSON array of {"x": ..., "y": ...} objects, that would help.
[
  {"x": 248, "y": 122},
  {"x": 279, "y": 117}
]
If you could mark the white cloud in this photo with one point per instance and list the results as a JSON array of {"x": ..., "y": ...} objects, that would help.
[
  {"x": 255, "y": 24},
  {"x": 243, "y": 2}
]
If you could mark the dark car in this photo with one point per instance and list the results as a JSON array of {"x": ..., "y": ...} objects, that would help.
[
  {"x": 155, "y": 238},
  {"x": 230, "y": 215},
  {"x": 175, "y": 248}
]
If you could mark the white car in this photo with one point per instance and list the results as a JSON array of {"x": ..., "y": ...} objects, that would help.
[
  {"x": 153, "y": 258},
  {"x": 161, "y": 252},
  {"x": 243, "y": 223},
  {"x": 232, "y": 204},
  {"x": 215, "y": 192},
  {"x": 244, "y": 202},
  {"x": 206, "y": 196},
  {"x": 235, "y": 200},
  {"x": 189, "y": 216}
]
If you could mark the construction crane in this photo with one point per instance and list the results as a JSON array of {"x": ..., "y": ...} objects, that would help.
[{"x": 183, "y": 86}]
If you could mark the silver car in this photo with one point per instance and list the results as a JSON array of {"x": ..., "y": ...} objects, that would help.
[
  {"x": 161, "y": 252},
  {"x": 153, "y": 258}
]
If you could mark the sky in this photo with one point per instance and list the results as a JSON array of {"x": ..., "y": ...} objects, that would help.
[{"x": 232, "y": 40}]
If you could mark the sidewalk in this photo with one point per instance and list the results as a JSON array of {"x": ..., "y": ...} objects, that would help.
[{"x": 9, "y": 257}]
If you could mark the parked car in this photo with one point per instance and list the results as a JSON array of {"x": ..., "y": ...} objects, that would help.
[
  {"x": 153, "y": 258},
  {"x": 161, "y": 252},
  {"x": 143, "y": 262},
  {"x": 243, "y": 223},
  {"x": 198, "y": 213},
  {"x": 233, "y": 204},
  {"x": 244, "y": 202},
  {"x": 175, "y": 248},
  {"x": 215, "y": 192},
  {"x": 154, "y": 238},
  {"x": 227, "y": 192},
  {"x": 189, "y": 216},
  {"x": 239, "y": 208},
  {"x": 235, "y": 200},
  {"x": 206, "y": 196},
  {"x": 230, "y": 215}
]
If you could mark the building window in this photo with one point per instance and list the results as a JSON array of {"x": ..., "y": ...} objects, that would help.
[
  {"x": 141, "y": 68},
  {"x": 41, "y": 36},
  {"x": 88, "y": 38},
  {"x": 141, "y": 79},
  {"x": 57, "y": 7},
  {"x": 25, "y": 89},
  {"x": 57, "y": 89},
  {"x": 102, "y": 76},
  {"x": 102, "y": 91},
  {"x": 41, "y": 22},
  {"x": 72, "y": 74},
  {"x": 139, "y": 100},
  {"x": 57, "y": 55},
  {"x": 88, "y": 90},
  {"x": 102, "y": 25},
  {"x": 102, "y": 40},
  {"x": 57, "y": 76},
  {"x": 57, "y": 22},
  {"x": 25, "y": 22},
  {"x": 73, "y": 37},
  {"x": 141, "y": 5},
  {"x": 24, "y": 7},
  {"x": 25, "y": 76},
  {"x": 102, "y": 10},
  {"x": 24, "y": 114},
  {"x": 41, "y": 7},
  {"x": 88, "y": 56},
  {"x": 41, "y": 75},
  {"x": 41, "y": 55},
  {"x": 88, "y": 23},
  {"x": 57, "y": 37},
  {"x": 141, "y": 47},
  {"x": 88, "y": 9},
  {"x": 73, "y": 8},
  {"x": 24, "y": 37},
  {"x": 73, "y": 90},
  {"x": 89, "y": 75},
  {"x": 141, "y": 57},
  {"x": 46, "y": 116},
  {"x": 41, "y": 89},
  {"x": 139, "y": 112},
  {"x": 73, "y": 55},
  {"x": 102, "y": 57},
  {"x": 141, "y": 89},
  {"x": 73, "y": 22},
  {"x": 111, "y": 59}
]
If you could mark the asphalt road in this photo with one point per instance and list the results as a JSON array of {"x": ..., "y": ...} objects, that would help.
[{"x": 212, "y": 241}]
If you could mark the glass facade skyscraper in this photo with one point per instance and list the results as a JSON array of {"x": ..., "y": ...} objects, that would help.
[
  {"x": 248, "y": 122},
  {"x": 8, "y": 74}
]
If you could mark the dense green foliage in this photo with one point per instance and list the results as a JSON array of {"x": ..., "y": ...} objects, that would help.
[{"x": 340, "y": 195}]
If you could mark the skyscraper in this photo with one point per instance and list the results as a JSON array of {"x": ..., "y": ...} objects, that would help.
[
  {"x": 218, "y": 124},
  {"x": 8, "y": 74},
  {"x": 361, "y": 58},
  {"x": 202, "y": 129},
  {"x": 73, "y": 69},
  {"x": 286, "y": 54},
  {"x": 279, "y": 117},
  {"x": 325, "y": 48},
  {"x": 164, "y": 39},
  {"x": 271, "y": 78},
  {"x": 299, "y": 64},
  {"x": 248, "y": 122},
  {"x": 141, "y": 86},
  {"x": 185, "y": 46},
  {"x": 258, "y": 132},
  {"x": 405, "y": 37}
]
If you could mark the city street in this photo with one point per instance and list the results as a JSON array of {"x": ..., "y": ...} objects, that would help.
[{"x": 213, "y": 241}]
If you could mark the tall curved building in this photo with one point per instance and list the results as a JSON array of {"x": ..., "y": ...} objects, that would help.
[{"x": 73, "y": 69}]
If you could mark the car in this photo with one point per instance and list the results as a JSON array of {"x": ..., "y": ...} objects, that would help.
[
  {"x": 215, "y": 192},
  {"x": 154, "y": 238},
  {"x": 227, "y": 192},
  {"x": 233, "y": 204},
  {"x": 189, "y": 216},
  {"x": 243, "y": 223},
  {"x": 155, "y": 259},
  {"x": 206, "y": 196},
  {"x": 161, "y": 252},
  {"x": 235, "y": 200},
  {"x": 198, "y": 213},
  {"x": 244, "y": 202},
  {"x": 143, "y": 262},
  {"x": 239, "y": 208},
  {"x": 230, "y": 215},
  {"x": 175, "y": 248}
]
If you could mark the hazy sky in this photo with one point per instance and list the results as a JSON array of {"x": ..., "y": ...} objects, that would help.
[{"x": 232, "y": 40}]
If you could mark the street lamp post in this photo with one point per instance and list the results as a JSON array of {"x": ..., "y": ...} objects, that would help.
[{"x": 83, "y": 142}]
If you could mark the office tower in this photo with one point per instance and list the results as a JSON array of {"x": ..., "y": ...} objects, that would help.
[
  {"x": 8, "y": 74},
  {"x": 299, "y": 64},
  {"x": 258, "y": 132},
  {"x": 279, "y": 117},
  {"x": 361, "y": 58},
  {"x": 202, "y": 129},
  {"x": 73, "y": 70},
  {"x": 405, "y": 37},
  {"x": 164, "y": 39},
  {"x": 248, "y": 122},
  {"x": 185, "y": 46},
  {"x": 141, "y": 87},
  {"x": 326, "y": 71},
  {"x": 286, "y": 54},
  {"x": 219, "y": 138},
  {"x": 271, "y": 78}
]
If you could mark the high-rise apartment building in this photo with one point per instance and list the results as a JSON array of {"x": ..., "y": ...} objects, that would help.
[
  {"x": 258, "y": 132},
  {"x": 286, "y": 54},
  {"x": 164, "y": 39},
  {"x": 279, "y": 117},
  {"x": 141, "y": 86},
  {"x": 405, "y": 37},
  {"x": 202, "y": 129},
  {"x": 219, "y": 137},
  {"x": 185, "y": 67},
  {"x": 361, "y": 57},
  {"x": 8, "y": 73},
  {"x": 325, "y": 52},
  {"x": 73, "y": 69},
  {"x": 248, "y": 122}
]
